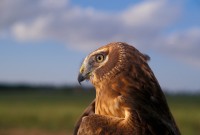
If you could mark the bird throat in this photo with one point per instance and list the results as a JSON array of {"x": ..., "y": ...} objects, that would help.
[{"x": 108, "y": 103}]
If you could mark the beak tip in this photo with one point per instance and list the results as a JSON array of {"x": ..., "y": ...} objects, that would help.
[{"x": 80, "y": 78}]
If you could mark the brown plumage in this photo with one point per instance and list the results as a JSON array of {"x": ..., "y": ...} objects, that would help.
[{"x": 129, "y": 100}]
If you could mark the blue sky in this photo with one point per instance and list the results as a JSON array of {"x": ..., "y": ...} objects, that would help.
[{"x": 44, "y": 41}]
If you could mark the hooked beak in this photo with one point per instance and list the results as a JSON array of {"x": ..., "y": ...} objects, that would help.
[
  {"x": 85, "y": 72},
  {"x": 81, "y": 78}
]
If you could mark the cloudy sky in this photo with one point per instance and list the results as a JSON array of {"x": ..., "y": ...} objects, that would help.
[{"x": 44, "y": 41}]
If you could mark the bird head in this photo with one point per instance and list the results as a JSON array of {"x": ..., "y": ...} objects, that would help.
[
  {"x": 102, "y": 63},
  {"x": 92, "y": 63},
  {"x": 108, "y": 61}
]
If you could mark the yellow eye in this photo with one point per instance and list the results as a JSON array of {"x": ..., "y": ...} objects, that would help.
[{"x": 99, "y": 58}]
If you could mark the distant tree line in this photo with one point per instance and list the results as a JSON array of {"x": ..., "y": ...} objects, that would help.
[{"x": 29, "y": 87}]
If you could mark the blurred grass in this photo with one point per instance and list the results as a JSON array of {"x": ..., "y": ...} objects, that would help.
[
  {"x": 58, "y": 110},
  {"x": 186, "y": 110},
  {"x": 52, "y": 111}
]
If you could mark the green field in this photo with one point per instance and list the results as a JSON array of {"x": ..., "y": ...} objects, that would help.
[{"x": 55, "y": 112}]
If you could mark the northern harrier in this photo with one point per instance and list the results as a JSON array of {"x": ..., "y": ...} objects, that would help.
[{"x": 129, "y": 99}]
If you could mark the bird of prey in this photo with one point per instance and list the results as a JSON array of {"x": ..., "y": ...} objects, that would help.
[{"x": 129, "y": 99}]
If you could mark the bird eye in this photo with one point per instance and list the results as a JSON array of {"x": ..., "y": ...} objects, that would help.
[{"x": 99, "y": 58}]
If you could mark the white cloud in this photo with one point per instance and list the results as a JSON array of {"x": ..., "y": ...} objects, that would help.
[
  {"x": 53, "y": 4},
  {"x": 36, "y": 30},
  {"x": 151, "y": 14},
  {"x": 142, "y": 25},
  {"x": 184, "y": 45}
]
